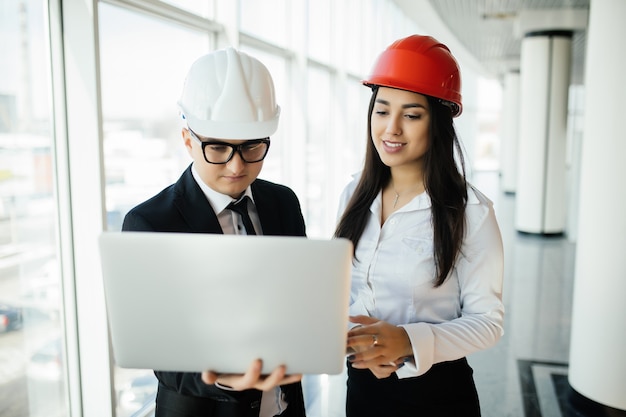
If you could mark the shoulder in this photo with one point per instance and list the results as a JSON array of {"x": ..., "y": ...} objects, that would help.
[
  {"x": 349, "y": 188},
  {"x": 264, "y": 188},
  {"x": 159, "y": 201},
  {"x": 479, "y": 211},
  {"x": 278, "y": 208},
  {"x": 475, "y": 196},
  {"x": 162, "y": 205},
  {"x": 144, "y": 215},
  {"x": 183, "y": 187},
  {"x": 276, "y": 197}
]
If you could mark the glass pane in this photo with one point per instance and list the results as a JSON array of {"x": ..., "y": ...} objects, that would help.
[
  {"x": 141, "y": 84},
  {"x": 274, "y": 164},
  {"x": 354, "y": 116},
  {"x": 486, "y": 155},
  {"x": 318, "y": 147},
  {"x": 32, "y": 355},
  {"x": 143, "y": 66},
  {"x": 320, "y": 30},
  {"x": 352, "y": 37},
  {"x": 267, "y": 19}
]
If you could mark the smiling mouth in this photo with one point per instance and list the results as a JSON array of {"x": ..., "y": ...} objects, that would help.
[{"x": 394, "y": 145}]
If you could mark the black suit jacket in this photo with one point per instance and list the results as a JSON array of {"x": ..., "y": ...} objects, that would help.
[{"x": 183, "y": 207}]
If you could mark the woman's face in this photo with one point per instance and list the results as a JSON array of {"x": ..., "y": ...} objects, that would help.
[{"x": 400, "y": 127}]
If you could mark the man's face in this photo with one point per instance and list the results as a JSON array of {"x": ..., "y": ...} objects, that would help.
[{"x": 231, "y": 178}]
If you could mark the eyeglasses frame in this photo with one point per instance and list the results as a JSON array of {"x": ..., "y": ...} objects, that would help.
[{"x": 235, "y": 148}]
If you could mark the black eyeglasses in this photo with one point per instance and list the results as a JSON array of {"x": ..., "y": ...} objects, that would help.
[{"x": 216, "y": 152}]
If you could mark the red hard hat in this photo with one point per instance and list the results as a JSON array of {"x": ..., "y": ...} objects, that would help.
[{"x": 420, "y": 64}]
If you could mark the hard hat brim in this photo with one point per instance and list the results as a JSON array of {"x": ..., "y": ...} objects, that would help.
[{"x": 234, "y": 130}]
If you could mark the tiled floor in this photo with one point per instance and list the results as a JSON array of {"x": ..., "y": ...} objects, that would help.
[{"x": 525, "y": 374}]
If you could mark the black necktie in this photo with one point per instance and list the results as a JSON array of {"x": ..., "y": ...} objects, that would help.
[{"x": 241, "y": 206}]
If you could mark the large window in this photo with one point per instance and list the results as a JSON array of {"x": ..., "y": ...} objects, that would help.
[
  {"x": 32, "y": 354},
  {"x": 141, "y": 84},
  {"x": 274, "y": 166},
  {"x": 319, "y": 150},
  {"x": 320, "y": 42},
  {"x": 269, "y": 20},
  {"x": 143, "y": 150}
]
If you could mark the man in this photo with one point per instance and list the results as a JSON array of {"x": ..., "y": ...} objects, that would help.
[{"x": 229, "y": 110}]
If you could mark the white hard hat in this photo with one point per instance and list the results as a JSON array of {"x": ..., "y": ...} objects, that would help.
[{"x": 229, "y": 95}]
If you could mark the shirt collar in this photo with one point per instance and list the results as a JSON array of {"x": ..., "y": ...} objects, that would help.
[
  {"x": 421, "y": 201},
  {"x": 217, "y": 200}
]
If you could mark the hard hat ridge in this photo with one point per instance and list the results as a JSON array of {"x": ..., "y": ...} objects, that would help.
[
  {"x": 229, "y": 95},
  {"x": 235, "y": 102}
]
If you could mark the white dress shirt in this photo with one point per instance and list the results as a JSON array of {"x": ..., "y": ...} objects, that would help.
[
  {"x": 272, "y": 402},
  {"x": 394, "y": 271}
]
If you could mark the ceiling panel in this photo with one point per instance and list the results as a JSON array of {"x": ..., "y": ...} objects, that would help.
[{"x": 487, "y": 30}]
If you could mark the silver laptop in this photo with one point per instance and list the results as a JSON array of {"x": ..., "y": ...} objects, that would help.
[{"x": 193, "y": 302}]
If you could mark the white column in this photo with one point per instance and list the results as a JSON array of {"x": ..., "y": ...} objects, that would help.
[
  {"x": 510, "y": 132},
  {"x": 597, "y": 361},
  {"x": 545, "y": 77}
]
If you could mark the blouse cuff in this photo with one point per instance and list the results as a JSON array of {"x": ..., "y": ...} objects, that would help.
[{"x": 422, "y": 343}]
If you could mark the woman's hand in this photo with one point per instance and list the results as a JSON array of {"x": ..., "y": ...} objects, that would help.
[
  {"x": 252, "y": 378},
  {"x": 378, "y": 346}
]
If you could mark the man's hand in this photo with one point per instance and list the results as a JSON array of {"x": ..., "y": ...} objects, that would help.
[{"x": 252, "y": 379}]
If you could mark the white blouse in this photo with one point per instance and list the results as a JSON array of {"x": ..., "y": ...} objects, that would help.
[{"x": 394, "y": 271}]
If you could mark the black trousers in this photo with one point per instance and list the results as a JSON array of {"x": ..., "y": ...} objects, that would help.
[
  {"x": 446, "y": 390},
  {"x": 170, "y": 403}
]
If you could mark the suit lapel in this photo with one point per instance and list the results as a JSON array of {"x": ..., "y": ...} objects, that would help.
[
  {"x": 194, "y": 206},
  {"x": 266, "y": 207}
]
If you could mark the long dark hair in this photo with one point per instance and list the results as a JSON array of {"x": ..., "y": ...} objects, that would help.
[{"x": 445, "y": 184}]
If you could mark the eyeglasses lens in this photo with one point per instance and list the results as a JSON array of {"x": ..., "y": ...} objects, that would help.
[{"x": 250, "y": 152}]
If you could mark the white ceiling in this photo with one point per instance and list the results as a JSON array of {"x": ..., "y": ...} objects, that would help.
[{"x": 487, "y": 28}]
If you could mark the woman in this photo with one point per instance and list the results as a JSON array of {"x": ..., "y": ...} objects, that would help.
[{"x": 428, "y": 261}]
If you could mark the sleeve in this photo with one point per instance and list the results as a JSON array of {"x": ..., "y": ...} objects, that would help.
[
  {"x": 345, "y": 196},
  {"x": 135, "y": 222},
  {"x": 356, "y": 307},
  {"x": 480, "y": 275}
]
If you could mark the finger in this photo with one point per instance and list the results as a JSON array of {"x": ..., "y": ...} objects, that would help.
[
  {"x": 291, "y": 379},
  {"x": 371, "y": 328},
  {"x": 252, "y": 375},
  {"x": 381, "y": 372},
  {"x": 366, "y": 343},
  {"x": 370, "y": 365},
  {"x": 274, "y": 379},
  {"x": 368, "y": 359},
  {"x": 241, "y": 382},
  {"x": 209, "y": 377},
  {"x": 363, "y": 340},
  {"x": 363, "y": 320},
  {"x": 377, "y": 366}
]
